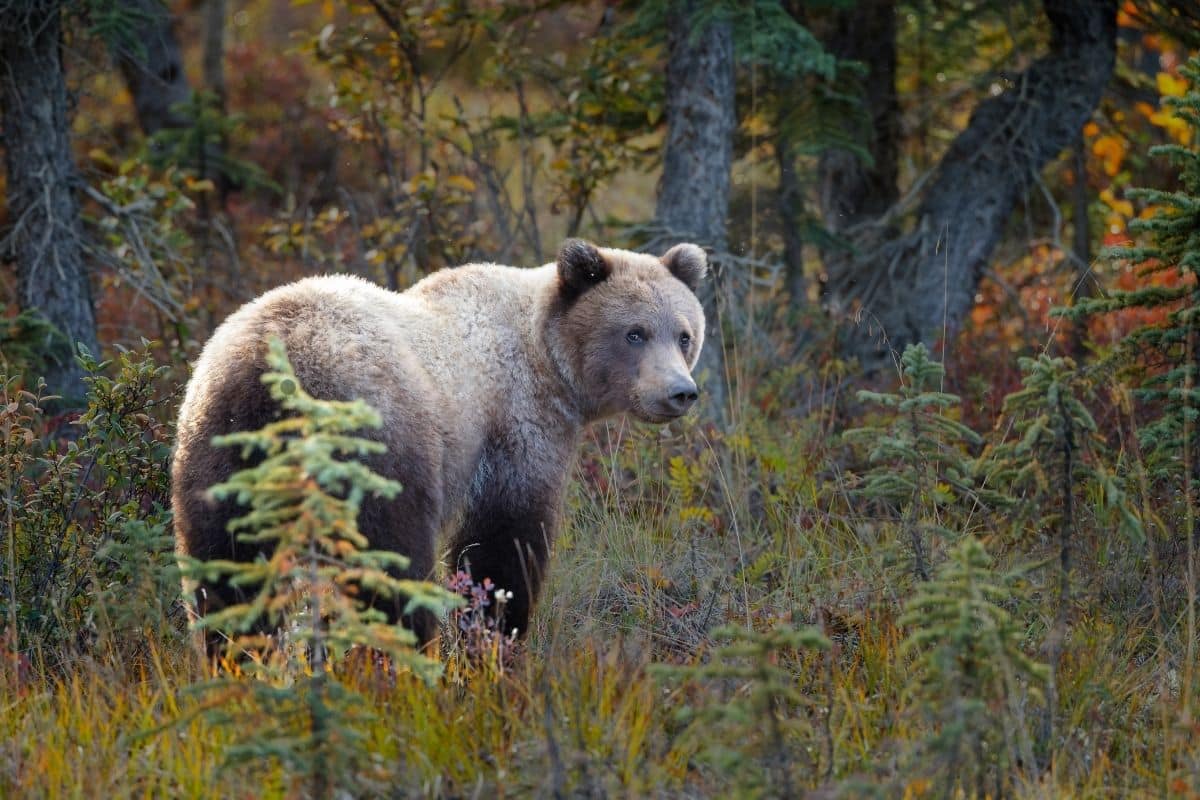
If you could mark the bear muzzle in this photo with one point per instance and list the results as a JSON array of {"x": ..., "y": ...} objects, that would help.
[{"x": 681, "y": 396}]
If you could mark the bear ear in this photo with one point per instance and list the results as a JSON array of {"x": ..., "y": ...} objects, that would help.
[
  {"x": 580, "y": 266},
  {"x": 688, "y": 263}
]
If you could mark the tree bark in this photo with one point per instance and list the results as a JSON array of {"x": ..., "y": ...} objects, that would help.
[
  {"x": 693, "y": 194},
  {"x": 920, "y": 286},
  {"x": 45, "y": 233},
  {"x": 789, "y": 199},
  {"x": 214, "y": 49},
  {"x": 851, "y": 190},
  {"x": 1084, "y": 285},
  {"x": 152, "y": 63}
]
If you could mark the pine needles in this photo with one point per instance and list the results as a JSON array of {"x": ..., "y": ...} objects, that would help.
[{"x": 313, "y": 588}]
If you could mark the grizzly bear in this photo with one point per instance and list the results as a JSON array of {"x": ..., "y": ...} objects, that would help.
[{"x": 484, "y": 376}]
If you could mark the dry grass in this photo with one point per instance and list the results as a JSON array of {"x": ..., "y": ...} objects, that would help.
[{"x": 671, "y": 535}]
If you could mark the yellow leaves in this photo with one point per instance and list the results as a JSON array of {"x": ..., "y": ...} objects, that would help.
[
  {"x": 697, "y": 513},
  {"x": 101, "y": 159},
  {"x": 1120, "y": 210},
  {"x": 199, "y": 186},
  {"x": 1170, "y": 85},
  {"x": 1175, "y": 127},
  {"x": 1110, "y": 149},
  {"x": 681, "y": 476},
  {"x": 688, "y": 480},
  {"x": 917, "y": 788},
  {"x": 1122, "y": 207},
  {"x": 756, "y": 125},
  {"x": 461, "y": 182},
  {"x": 658, "y": 579}
]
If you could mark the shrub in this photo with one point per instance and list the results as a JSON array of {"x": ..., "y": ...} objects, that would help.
[
  {"x": 918, "y": 458},
  {"x": 87, "y": 552}
]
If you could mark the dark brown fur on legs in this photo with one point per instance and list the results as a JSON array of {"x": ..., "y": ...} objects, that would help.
[{"x": 509, "y": 544}]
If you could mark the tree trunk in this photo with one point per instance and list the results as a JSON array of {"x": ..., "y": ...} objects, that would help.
[
  {"x": 693, "y": 194},
  {"x": 920, "y": 286},
  {"x": 1084, "y": 285},
  {"x": 789, "y": 199},
  {"x": 850, "y": 190},
  {"x": 45, "y": 235},
  {"x": 152, "y": 63},
  {"x": 214, "y": 49}
]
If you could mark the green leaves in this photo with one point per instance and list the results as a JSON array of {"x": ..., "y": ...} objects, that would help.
[{"x": 87, "y": 556}]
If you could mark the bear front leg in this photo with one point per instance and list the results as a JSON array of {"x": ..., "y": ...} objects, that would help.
[{"x": 509, "y": 544}]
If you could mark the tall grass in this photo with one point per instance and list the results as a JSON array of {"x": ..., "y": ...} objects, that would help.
[{"x": 673, "y": 535}]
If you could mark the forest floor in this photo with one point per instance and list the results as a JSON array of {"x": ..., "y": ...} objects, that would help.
[{"x": 673, "y": 534}]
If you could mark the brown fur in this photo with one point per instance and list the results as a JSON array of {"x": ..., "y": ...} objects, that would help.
[{"x": 484, "y": 377}]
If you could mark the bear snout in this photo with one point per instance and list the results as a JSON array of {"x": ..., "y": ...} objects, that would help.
[{"x": 681, "y": 396}]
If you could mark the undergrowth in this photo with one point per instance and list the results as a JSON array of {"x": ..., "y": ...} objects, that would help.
[{"x": 801, "y": 662}]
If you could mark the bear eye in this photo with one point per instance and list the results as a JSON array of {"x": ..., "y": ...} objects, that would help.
[
  {"x": 685, "y": 341},
  {"x": 636, "y": 336}
]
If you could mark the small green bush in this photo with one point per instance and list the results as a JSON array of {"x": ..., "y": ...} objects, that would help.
[{"x": 87, "y": 552}]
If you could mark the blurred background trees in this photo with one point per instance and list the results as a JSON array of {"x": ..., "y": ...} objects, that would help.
[{"x": 916, "y": 171}]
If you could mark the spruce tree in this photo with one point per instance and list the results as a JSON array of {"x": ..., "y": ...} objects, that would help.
[
  {"x": 970, "y": 673},
  {"x": 1057, "y": 454},
  {"x": 1055, "y": 461},
  {"x": 303, "y": 499},
  {"x": 1166, "y": 352},
  {"x": 919, "y": 459}
]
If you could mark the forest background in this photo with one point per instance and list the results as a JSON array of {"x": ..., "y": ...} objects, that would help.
[{"x": 932, "y": 533}]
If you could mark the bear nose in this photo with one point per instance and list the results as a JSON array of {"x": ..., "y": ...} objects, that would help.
[{"x": 681, "y": 395}]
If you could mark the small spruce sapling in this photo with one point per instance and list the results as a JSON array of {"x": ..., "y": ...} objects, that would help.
[
  {"x": 919, "y": 461},
  {"x": 970, "y": 673},
  {"x": 303, "y": 500},
  {"x": 1055, "y": 456},
  {"x": 766, "y": 715},
  {"x": 1056, "y": 453}
]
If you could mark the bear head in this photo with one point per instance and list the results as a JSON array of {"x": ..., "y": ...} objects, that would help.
[{"x": 630, "y": 328}]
